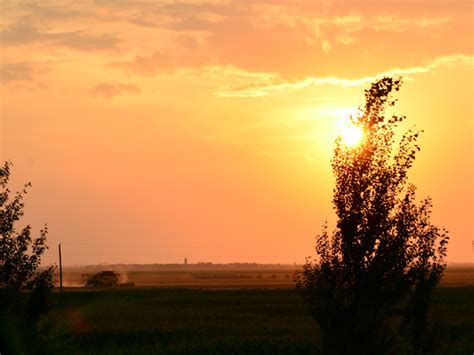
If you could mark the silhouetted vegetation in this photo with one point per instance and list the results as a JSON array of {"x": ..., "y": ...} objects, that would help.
[
  {"x": 20, "y": 257},
  {"x": 371, "y": 285},
  {"x": 194, "y": 321}
]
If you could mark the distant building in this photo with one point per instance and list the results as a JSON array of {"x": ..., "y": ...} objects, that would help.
[{"x": 185, "y": 261}]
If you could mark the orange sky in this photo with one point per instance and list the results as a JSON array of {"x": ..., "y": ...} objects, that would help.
[{"x": 158, "y": 130}]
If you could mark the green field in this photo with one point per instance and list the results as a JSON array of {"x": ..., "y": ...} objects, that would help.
[{"x": 197, "y": 321}]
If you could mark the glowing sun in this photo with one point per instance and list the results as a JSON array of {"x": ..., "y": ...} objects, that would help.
[{"x": 350, "y": 133}]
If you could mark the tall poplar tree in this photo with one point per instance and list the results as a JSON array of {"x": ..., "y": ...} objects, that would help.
[{"x": 371, "y": 282}]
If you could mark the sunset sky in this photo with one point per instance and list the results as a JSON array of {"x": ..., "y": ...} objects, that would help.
[{"x": 158, "y": 130}]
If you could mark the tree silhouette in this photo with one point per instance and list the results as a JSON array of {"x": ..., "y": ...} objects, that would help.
[
  {"x": 20, "y": 253},
  {"x": 374, "y": 275},
  {"x": 20, "y": 257}
]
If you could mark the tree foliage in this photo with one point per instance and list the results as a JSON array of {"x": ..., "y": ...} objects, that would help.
[
  {"x": 20, "y": 257},
  {"x": 375, "y": 272},
  {"x": 20, "y": 252}
]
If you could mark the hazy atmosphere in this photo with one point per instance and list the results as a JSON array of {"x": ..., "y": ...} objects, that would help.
[{"x": 157, "y": 130}]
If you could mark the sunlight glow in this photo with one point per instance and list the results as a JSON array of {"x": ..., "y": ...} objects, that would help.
[{"x": 350, "y": 133}]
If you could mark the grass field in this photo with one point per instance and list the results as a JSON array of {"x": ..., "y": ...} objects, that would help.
[
  {"x": 257, "y": 277},
  {"x": 197, "y": 321}
]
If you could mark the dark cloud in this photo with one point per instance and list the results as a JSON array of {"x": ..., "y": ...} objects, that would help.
[
  {"x": 83, "y": 41},
  {"x": 21, "y": 71},
  {"x": 47, "y": 11},
  {"x": 24, "y": 32},
  {"x": 162, "y": 62},
  {"x": 21, "y": 32},
  {"x": 109, "y": 90}
]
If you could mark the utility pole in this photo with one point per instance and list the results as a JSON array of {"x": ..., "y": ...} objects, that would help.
[
  {"x": 472, "y": 251},
  {"x": 60, "y": 270}
]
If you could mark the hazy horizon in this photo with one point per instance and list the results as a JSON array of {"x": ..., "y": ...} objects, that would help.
[
  {"x": 205, "y": 129},
  {"x": 197, "y": 263}
]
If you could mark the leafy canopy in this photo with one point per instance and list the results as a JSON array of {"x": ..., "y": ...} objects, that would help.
[
  {"x": 385, "y": 256},
  {"x": 20, "y": 252}
]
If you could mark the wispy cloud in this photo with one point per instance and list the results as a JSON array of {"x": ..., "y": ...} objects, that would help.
[
  {"x": 159, "y": 62},
  {"x": 21, "y": 71},
  {"x": 293, "y": 40},
  {"x": 109, "y": 90},
  {"x": 402, "y": 24},
  {"x": 300, "y": 44},
  {"x": 54, "y": 11},
  {"x": 26, "y": 33},
  {"x": 26, "y": 74},
  {"x": 273, "y": 83}
]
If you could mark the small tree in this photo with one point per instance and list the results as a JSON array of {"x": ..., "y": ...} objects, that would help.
[
  {"x": 20, "y": 257},
  {"x": 20, "y": 253},
  {"x": 375, "y": 273}
]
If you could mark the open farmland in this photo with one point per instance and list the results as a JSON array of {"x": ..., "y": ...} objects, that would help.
[
  {"x": 192, "y": 276},
  {"x": 214, "y": 311},
  {"x": 224, "y": 276},
  {"x": 209, "y": 321}
]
